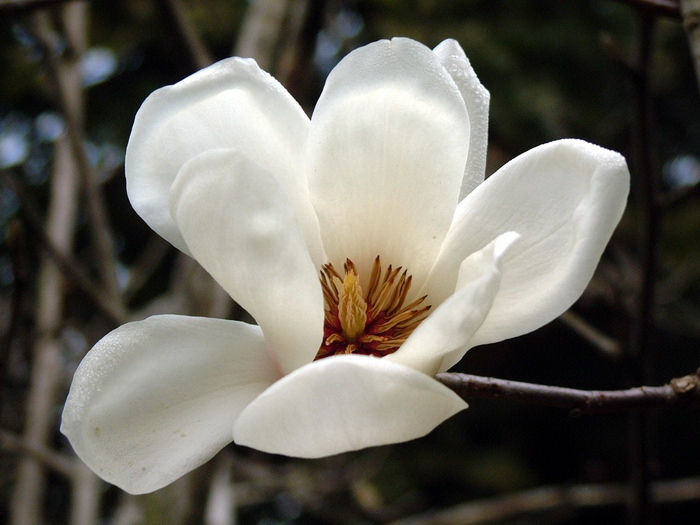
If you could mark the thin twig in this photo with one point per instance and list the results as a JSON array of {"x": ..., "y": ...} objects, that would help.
[
  {"x": 180, "y": 26},
  {"x": 55, "y": 461},
  {"x": 149, "y": 260},
  {"x": 590, "y": 333},
  {"x": 543, "y": 499},
  {"x": 71, "y": 267},
  {"x": 680, "y": 392},
  {"x": 17, "y": 247}
]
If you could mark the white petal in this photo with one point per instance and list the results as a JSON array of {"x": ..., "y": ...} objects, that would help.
[
  {"x": 387, "y": 150},
  {"x": 444, "y": 337},
  {"x": 565, "y": 199},
  {"x": 344, "y": 403},
  {"x": 477, "y": 98},
  {"x": 231, "y": 104},
  {"x": 240, "y": 226},
  {"x": 155, "y": 399}
]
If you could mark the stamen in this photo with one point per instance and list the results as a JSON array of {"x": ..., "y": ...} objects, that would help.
[{"x": 376, "y": 323}]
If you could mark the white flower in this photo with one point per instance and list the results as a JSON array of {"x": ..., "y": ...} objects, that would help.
[{"x": 299, "y": 221}]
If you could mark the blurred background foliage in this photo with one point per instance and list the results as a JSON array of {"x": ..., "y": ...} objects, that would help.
[{"x": 554, "y": 69}]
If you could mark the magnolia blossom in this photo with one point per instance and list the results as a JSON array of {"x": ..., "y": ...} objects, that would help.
[{"x": 365, "y": 243}]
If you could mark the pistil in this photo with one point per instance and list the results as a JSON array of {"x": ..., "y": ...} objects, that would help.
[{"x": 352, "y": 308}]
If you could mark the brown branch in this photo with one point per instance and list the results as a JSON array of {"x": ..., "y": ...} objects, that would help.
[{"x": 680, "y": 392}]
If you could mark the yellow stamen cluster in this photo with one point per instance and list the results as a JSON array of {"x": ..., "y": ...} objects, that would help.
[{"x": 376, "y": 323}]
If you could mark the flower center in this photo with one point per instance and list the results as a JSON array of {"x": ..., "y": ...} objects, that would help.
[{"x": 376, "y": 323}]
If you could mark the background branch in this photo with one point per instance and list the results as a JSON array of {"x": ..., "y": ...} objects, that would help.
[
  {"x": 12, "y": 7},
  {"x": 668, "y": 8},
  {"x": 642, "y": 342},
  {"x": 71, "y": 268},
  {"x": 71, "y": 106},
  {"x": 690, "y": 10},
  {"x": 179, "y": 25},
  {"x": 48, "y": 374},
  {"x": 548, "y": 499},
  {"x": 590, "y": 333},
  {"x": 46, "y": 456}
]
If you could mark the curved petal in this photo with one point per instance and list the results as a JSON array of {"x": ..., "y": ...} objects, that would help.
[
  {"x": 232, "y": 103},
  {"x": 444, "y": 337},
  {"x": 477, "y": 98},
  {"x": 155, "y": 399},
  {"x": 565, "y": 198},
  {"x": 240, "y": 226},
  {"x": 387, "y": 149},
  {"x": 344, "y": 403}
]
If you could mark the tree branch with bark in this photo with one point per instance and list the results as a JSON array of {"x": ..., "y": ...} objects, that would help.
[{"x": 679, "y": 392}]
